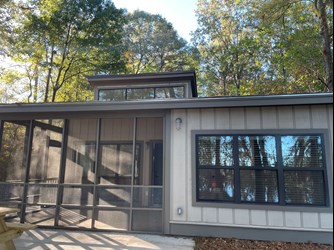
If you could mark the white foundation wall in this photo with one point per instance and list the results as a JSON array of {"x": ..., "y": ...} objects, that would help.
[{"x": 284, "y": 117}]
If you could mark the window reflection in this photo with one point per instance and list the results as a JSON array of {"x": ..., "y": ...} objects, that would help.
[
  {"x": 259, "y": 186},
  {"x": 261, "y": 169},
  {"x": 215, "y": 150},
  {"x": 259, "y": 151},
  {"x": 302, "y": 151},
  {"x": 173, "y": 92}
]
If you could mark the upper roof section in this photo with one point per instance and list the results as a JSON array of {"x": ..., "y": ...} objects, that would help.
[{"x": 166, "y": 85}]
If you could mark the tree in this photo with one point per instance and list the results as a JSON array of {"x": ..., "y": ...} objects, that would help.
[
  {"x": 61, "y": 41},
  {"x": 8, "y": 87},
  {"x": 309, "y": 42},
  {"x": 153, "y": 45},
  {"x": 228, "y": 46},
  {"x": 265, "y": 47}
]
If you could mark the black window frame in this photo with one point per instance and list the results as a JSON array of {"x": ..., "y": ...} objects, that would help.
[{"x": 280, "y": 168}]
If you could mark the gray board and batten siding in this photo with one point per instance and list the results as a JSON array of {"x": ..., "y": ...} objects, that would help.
[
  {"x": 250, "y": 221},
  {"x": 255, "y": 113}
]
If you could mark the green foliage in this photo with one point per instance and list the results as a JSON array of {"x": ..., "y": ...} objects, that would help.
[
  {"x": 60, "y": 41},
  {"x": 244, "y": 47},
  {"x": 154, "y": 46},
  {"x": 260, "y": 47},
  {"x": 9, "y": 87}
]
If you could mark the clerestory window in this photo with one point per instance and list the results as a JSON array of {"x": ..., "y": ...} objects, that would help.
[
  {"x": 128, "y": 94},
  {"x": 282, "y": 169}
]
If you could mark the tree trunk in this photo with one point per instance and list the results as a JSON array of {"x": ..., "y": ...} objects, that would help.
[
  {"x": 54, "y": 93},
  {"x": 36, "y": 88},
  {"x": 320, "y": 5},
  {"x": 48, "y": 79}
]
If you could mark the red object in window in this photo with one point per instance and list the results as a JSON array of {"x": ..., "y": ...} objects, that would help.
[{"x": 213, "y": 183}]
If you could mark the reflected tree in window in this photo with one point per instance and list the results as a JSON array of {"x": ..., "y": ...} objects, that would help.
[
  {"x": 304, "y": 187},
  {"x": 258, "y": 152},
  {"x": 302, "y": 151},
  {"x": 261, "y": 172},
  {"x": 215, "y": 150}
]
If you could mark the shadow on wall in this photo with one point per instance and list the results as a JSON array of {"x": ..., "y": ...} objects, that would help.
[{"x": 42, "y": 239}]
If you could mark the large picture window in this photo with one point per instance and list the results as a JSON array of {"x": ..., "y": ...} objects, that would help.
[{"x": 282, "y": 169}]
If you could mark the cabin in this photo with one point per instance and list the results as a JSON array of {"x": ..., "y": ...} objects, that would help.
[{"x": 149, "y": 155}]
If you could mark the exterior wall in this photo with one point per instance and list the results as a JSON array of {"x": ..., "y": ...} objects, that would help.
[{"x": 244, "y": 216}]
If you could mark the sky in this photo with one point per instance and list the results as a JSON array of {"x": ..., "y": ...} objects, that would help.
[{"x": 181, "y": 13}]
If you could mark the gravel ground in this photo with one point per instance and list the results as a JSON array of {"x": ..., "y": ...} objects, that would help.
[{"x": 207, "y": 243}]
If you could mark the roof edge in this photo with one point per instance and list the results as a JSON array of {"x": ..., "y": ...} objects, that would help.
[{"x": 193, "y": 103}]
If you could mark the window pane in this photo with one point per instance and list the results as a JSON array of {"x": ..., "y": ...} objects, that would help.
[
  {"x": 215, "y": 150},
  {"x": 259, "y": 186},
  {"x": 171, "y": 92},
  {"x": 137, "y": 94},
  {"x": 302, "y": 151},
  {"x": 216, "y": 184},
  {"x": 112, "y": 94},
  {"x": 257, "y": 151},
  {"x": 304, "y": 187}
]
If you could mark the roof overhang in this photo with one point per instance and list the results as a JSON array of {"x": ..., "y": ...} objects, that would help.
[{"x": 67, "y": 109}]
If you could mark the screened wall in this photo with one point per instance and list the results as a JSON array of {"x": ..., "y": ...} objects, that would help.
[{"x": 87, "y": 173}]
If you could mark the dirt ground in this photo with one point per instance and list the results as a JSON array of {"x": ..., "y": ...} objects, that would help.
[{"x": 207, "y": 243}]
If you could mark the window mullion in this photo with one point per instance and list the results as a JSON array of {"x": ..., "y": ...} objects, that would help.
[
  {"x": 237, "y": 191},
  {"x": 323, "y": 169},
  {"x": 280, "y": 169}
]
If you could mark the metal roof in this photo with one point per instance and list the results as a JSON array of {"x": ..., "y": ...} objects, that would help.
[{"x": 16, "y": 109}]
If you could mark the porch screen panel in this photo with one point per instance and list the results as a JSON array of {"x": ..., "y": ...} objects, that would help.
[
  {"x": 81, "y": 151},
  {"x": 115, "y": 219},
  {"x": 46, "y": 151},
  {"x": 147, "y": 198},
  {"x": 13, "y": 151},
  {"x": 115, "y": 174},
  {"x": 75, "y": 217},
  {"x": 116, "y": 149},
  {"x": 77, "y": 191},
  {"x": 13, "y": 156}
]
